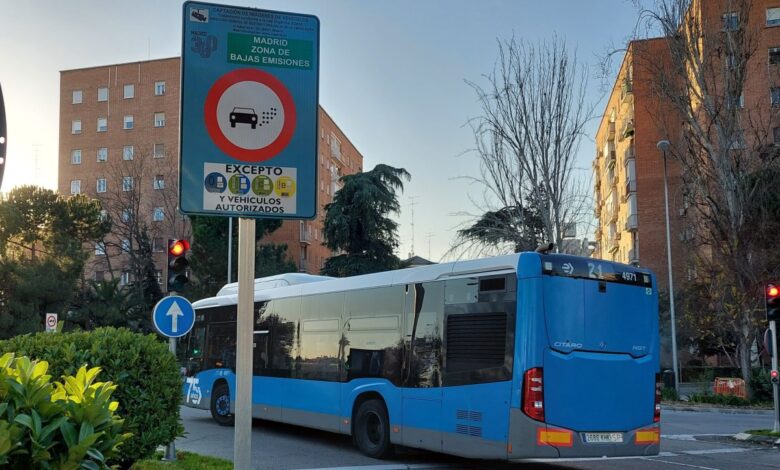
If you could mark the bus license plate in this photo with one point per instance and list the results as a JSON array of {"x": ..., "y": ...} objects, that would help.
[{"x": 603, "y": 437}]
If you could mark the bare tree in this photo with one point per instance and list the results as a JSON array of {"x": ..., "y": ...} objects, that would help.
[
  {"x": 527, "y": 138},
  {"x": 142, "y": 208},
  {"x": 723, "y": 147}
]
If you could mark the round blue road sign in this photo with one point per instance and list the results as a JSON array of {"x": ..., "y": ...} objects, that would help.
[{"x": 173, "y": 316}]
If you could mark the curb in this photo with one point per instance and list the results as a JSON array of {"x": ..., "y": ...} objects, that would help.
[
  {"x": 766, "y": 440},
  {"x": 715, "y": 409}
]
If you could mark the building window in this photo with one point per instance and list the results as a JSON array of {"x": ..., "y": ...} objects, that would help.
[
  {"x": 731, "y": 21},
  {"x": 159, "y": 150},
  {"x": 103, "y": 94},
  {"x": 100, "y": 249},
  {"x": 158, "y": 245},
  {"x": 736, "y": 101},
  {"x": 102, "y": 124},
  {"x": 773, "y": 16},
  {"x": 101, "y": 185},
  {"x": 774, "y": 93},
  {"x": 159, "y": 182},
  {"x": 158, "y": 215},
  {"x": 159, "y": 88},
  {"x": 125, "y": 278},
  {"x": 75, "y": 127},
  {"x": 128, "y": 122},
  {"x": 127, "y": 152},
  {"x": 77, "y": 97},
  {"x": 125, "y": 245},
  {"x": 127, "y": 215},
  {"x": 159, "y": 119},
  {"x": 103, "y": 215},
  {"x": 75, "y": 157},
  {"x": 335, "y": 146},
  {"x": 127, "y": 183},
  {"x": 158, "y": 275},
  {"x": 129, "y": 91},
  {"x": 102, "y": 154},
  {"x": 774, "y": 55},
  {"x": 100, "y": 276},
  {"x": 75, "y": 187}
]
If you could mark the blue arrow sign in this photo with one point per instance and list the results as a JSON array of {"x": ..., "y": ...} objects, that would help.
[{"x": 173, "y": 316}]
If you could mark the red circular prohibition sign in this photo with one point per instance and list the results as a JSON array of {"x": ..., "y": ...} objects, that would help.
[{"x": 249, "y": 75}]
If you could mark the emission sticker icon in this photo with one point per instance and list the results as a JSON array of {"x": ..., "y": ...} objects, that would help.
[{"x": 250, "y": 115}]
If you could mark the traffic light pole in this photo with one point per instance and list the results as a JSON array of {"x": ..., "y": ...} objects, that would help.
[
  {"x": 775, "y": 385},
  {"x": 242, "y": 444}
]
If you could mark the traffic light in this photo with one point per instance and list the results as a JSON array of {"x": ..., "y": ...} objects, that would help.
[
  {"x": 178, "y": 265},
  {"x": 772, "y": 302},
  {"x": 774, "y": 377}
]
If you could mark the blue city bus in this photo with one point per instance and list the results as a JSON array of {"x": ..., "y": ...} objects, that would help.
[{"x": 525, "y": 356}]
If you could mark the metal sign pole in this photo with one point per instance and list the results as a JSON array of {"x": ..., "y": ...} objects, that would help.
[
  {"x": 242, "y": 445},
  {"x": 170, "y": 449},
  {"x": 776, "y": 392}
]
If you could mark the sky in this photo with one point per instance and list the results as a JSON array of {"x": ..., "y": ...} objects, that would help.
[{"x": 393, "y": 77}]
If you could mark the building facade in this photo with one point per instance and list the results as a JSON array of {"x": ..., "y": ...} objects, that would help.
[
  {"x": 119, "y": 142},
  {"x": 628, "y": 167}
]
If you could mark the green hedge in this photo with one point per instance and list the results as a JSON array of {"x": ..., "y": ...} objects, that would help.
[{"x": 145, "y": 372}]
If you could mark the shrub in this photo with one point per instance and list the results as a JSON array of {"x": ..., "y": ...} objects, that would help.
[
  {"x": 669, "y": 394},
  {"x": 145, "y": 372},
  {"x": 64, "y": 425},
  {"x": 728, "y": 400},
  {"x": 761, "y": 384}
]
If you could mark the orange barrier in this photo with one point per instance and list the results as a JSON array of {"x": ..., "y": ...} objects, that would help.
[{"x": 730, "y": 386}]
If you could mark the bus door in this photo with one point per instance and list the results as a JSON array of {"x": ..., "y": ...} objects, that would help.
[{"x": 422, "y": 392}]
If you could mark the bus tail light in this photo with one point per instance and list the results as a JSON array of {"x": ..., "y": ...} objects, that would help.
[
  {"x": 533, "y": 394},
  {"x": 658, "y": 388}
]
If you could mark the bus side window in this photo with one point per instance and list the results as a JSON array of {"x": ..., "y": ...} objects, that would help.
[{"x": 423, "y": 331}]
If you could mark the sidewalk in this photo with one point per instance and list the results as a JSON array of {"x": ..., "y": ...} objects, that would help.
[{"x": 708, "y": 408}]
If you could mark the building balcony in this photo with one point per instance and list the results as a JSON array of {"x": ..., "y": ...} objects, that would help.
[
  {"x": 626, "y": 91},
  {"x": 305, "y": 235},
  {"x": 612, "y": 216},
  {"x": 628, "y": 154},
  {"x": 632, "y": 222},
  {"x": 629, "y": 188},
  {"x": 614, "y": 243},
  {"x": 627, "y": 130},
  {"x": 633, "y": 256},
  {"x": 611, "y": 131},
  {"x": 611, "y": 159}
]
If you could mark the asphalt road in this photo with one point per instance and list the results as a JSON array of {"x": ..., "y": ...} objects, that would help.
[{"x": 690, "y": 440}]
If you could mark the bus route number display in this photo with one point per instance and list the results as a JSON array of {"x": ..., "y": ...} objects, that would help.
[{"x": 572, "y": 266}]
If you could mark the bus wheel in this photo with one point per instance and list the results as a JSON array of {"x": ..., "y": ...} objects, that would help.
[
  {"x": 220, "y": 405},
  {"x": 372, "y": 429}
]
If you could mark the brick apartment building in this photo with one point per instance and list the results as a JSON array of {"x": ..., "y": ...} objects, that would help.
[
  {"x": 119, "y": 140},
  {"x": 628, "y": 168}
]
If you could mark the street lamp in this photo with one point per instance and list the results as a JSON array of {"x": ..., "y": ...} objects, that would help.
[{"x": 663, "y": 146}]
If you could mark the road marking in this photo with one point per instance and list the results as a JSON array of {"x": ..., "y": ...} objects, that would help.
[
  {"x": 678, "y": 463},
  {"x": 691, "y": 437},
  {"x": 726, "y": 450},
  {"x": 385, "y": 467}
]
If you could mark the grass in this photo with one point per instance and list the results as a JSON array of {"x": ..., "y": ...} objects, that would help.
[
  {"x": 185, "y": 461},
  {"x": 763, "y": 432}
]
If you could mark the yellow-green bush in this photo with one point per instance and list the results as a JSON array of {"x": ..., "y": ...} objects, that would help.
[
  {"x": 62, "y": 425},
  {"x": 145, "y": 372}
]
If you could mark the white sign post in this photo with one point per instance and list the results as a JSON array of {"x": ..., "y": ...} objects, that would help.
[{"x": 51, "y": 322}]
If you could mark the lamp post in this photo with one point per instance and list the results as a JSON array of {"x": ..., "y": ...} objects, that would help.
[{"x": 663, "y": 146}]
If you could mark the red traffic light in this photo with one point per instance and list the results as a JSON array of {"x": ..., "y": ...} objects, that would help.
[
  {"x": 178, "y": 247},
  {"x": 772, "y": 291}
]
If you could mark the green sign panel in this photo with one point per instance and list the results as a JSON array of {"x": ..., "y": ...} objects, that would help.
[{"x": 269, "y": 51}]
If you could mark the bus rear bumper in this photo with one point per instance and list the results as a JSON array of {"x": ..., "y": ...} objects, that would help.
[{"x": 529, "y": 439}]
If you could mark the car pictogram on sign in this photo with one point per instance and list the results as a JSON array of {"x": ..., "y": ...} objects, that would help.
[{"x": 243, "y": 115}]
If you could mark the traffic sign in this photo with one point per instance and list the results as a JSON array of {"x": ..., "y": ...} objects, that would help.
[
  {"x": 51, "y": 322},
  {"x": 173, "y": 316},
  {"x": 249, "y": 112}
]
